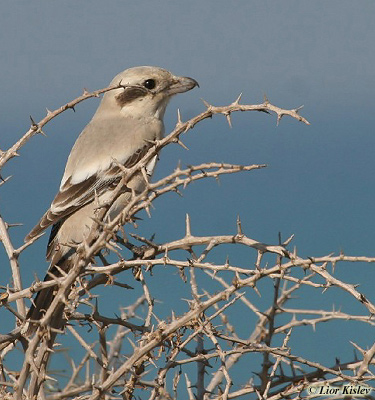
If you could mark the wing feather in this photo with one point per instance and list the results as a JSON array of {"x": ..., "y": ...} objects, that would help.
[{"x": 72, "y": 197}]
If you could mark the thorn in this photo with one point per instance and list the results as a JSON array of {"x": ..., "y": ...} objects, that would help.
[
  {"x": 85, "y": 92},
  {"x": 49, "y": 112},
  {"x": 152, "y": 142},
  {"x": 208, "y": 105},
  {"x": 96, "y": 307},
  {"x": 179, "y": 120},
  {"x": 279, "y": 116},
  {"x": 166, "y": 254},
  {"x": 327, "y": 286},
  {"x": 41, "y": 132},
  {"x": 227, "y": 115},
  {"x": 147, "y": 208},
  {"x": 296, "y": 110},
  {"x": 14, "y": 225},
  {"x": 188, "y": 126},
  {"x": 237, "y": 101},
  {"x": 3, "y": 180},
  {"x": 132, "y": 343},
  {"x": 257, "y": 291},
  {"x": 239, "y": 228},
  {"x": 178, "y": 192},
  {"x": 144, "y": 174},
  {"x": 333, "y": 267},
  {"x": 188, "y": 226},
  {"x": 178, "y": 141},
  {"x": 72, "y": 107},
  {"x": 294, "y": 253},
  {"x": 34, "y": 126},
  {"x": 287, "y": 241},
  {"x": 265, "y": 99}
]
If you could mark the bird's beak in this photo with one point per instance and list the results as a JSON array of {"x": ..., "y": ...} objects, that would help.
[{"x": 182, "y": 84}]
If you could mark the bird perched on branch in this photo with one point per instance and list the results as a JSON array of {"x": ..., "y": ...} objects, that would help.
[{"x": 127, "y": 121}]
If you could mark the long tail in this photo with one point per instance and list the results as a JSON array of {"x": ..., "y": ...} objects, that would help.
[{"x": 42, "y": 302}]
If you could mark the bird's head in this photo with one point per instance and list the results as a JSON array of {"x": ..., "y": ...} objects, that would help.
[{"x": 145, "y": 91}]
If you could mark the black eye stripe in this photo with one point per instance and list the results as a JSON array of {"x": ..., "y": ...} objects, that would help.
[
  {"x": 149, "y": 83},
  {"x": 130, "y": 94}
]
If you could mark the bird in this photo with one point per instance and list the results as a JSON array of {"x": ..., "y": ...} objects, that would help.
[{"x": 129, "y": 119}]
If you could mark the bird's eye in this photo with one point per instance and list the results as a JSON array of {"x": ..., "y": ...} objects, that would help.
[{"x": 149, "y": 83}]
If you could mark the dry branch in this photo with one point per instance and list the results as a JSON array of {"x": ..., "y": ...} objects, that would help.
[{"x": 143, "y": 351}]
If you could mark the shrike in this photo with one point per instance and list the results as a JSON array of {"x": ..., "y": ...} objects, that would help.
[{"x": 126, "y": 122}]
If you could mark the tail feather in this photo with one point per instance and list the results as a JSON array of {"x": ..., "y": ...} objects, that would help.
[{"x": 42, "y": 302}]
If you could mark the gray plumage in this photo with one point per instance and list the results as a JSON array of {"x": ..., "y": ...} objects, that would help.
[{"x": 125, "y": 122}]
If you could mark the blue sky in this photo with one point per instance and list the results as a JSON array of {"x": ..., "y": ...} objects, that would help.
[{"x": 319, "y": 184}]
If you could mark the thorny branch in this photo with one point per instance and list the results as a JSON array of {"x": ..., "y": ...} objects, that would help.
[{"x": 144, "y": 350}]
